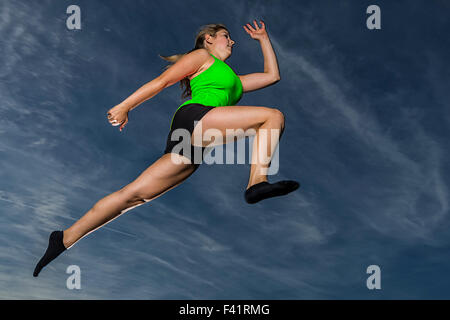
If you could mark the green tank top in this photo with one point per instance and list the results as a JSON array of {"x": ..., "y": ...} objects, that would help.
[{"x": 216, "y": 86}]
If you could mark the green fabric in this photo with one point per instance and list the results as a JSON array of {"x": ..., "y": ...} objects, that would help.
[{"x": 216, "y": 86}]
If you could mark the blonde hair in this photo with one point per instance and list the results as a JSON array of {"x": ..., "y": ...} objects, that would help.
[{"x": 210, "y": 29}]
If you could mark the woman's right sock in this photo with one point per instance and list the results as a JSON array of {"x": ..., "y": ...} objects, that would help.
[
  {"x": 54, "y": 249},
  {"x": 264, "y": 190}
]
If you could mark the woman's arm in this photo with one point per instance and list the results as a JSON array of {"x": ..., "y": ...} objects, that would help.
[
  {"x": 144, "y": 93},
  {"x": 184, "y": 67},
  {"x": 270, "y": 60},
  {"x": 271, "y": 74}
]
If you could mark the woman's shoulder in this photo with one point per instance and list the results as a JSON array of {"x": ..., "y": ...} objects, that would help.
[
  {"x": 208, "y": 60},
  {"x": 200, "y": 55},
  {"x": 201, "y": 52}
]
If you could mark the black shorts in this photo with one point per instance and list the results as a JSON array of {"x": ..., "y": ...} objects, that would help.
[{"x": 184, "y": 119}]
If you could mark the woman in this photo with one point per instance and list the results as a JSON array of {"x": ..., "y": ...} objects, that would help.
[{"x": 215, "y": 91}]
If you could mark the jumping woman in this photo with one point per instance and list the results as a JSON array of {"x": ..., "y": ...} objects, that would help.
[{"x": 214, "y": 89}]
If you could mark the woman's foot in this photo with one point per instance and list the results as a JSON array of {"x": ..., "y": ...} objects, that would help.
[
  {"x": 54, "y": 249},
  {"x": 264, "y": 190}
]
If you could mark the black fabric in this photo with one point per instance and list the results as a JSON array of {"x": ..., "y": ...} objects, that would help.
[
  {"x": 264, "y": 190},
  {"x": 54, "y": 249},
  {"x": 184, "y": 118}
]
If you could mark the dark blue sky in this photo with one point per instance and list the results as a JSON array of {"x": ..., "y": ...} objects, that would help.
[{"x": 366, "y": 135}]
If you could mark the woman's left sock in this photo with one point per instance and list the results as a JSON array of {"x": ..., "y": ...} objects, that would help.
[
  {"x": 264, "y": 190},
  {"x": 55, "y": 248}
]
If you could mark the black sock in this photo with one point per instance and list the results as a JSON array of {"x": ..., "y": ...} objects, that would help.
[
  {"x": 55, "y": 248},
  {"x": 264, "y": 190}
]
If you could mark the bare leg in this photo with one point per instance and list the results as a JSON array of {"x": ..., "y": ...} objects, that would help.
[
  {"x": 264, "y": 121},
  {"x": 248, "y": 117},
  {"x": 160, "y": 177},
  {"x": 263, "y": 139}
]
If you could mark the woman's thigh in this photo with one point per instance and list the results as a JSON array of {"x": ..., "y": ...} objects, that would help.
[{"x": 232, "y": 122}]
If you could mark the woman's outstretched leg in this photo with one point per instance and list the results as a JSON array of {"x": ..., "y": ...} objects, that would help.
[{"x": 160, "y": 177}]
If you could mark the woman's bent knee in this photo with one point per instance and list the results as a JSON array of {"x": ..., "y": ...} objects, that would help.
[{"x": 278, "y": 116}]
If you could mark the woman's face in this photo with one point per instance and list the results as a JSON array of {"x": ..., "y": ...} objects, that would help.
[{"x": 222, "y": 42}]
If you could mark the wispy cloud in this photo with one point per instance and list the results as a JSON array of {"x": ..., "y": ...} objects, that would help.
[
  {"x": 407, "y": 176},
  {"x": 372, "y": 185}
]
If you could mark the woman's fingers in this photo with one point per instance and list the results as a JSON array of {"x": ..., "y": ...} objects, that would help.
[
  {"x": 123, "y": 125},
  {"x": 111, "y": 118},
  {"x": 113, "y": 121},
  {"x": 117, "y": 117},
  {"x": 249, "y": 28}
]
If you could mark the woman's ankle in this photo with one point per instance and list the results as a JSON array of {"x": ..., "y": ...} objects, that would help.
[
  {"x": 67, "y": 239},
  {"x": 256, "y": 181}
]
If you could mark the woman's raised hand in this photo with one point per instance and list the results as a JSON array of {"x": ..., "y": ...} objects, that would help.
[
  {"x": 118, "y": 116},
  {"x": 256, "y": 33}
]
